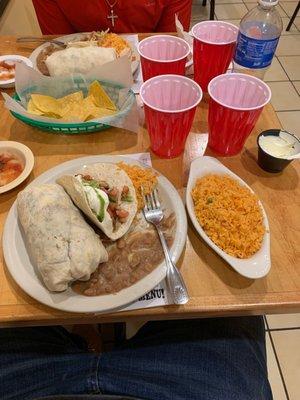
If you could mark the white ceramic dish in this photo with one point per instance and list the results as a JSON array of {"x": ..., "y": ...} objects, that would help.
[
  {"x": 254, "y": 267},
  {"x": 22, "y": 152},
  {"x": 22, "y": 270},
  {"x": 76, "y": 36},
  {"x": 13, "y": 58}
]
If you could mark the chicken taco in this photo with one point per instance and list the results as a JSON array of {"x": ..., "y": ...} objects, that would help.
[{"x": 106, "y": 195}]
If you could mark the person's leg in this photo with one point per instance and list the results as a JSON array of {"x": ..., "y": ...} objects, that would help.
[
  {"x": 198, "y": 359},
  {"x": 208, "y": 359},
  {"x": 41, "y": 361}
]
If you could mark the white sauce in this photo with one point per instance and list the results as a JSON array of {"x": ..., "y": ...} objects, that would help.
[
  {"x": 93, "y": 200},
  {"x": 92, "y": 196},
  {"x": 277, "y": 146}
]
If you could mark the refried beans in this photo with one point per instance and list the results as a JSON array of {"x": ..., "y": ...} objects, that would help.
[{"x": 130, "y": 258}]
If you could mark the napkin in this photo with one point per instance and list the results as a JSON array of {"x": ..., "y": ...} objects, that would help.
[{"x": 189, "y": 39}]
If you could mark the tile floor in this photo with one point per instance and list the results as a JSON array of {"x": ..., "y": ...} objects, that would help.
[
  {"x": 283, "y": 331},
  {"x": 284, "y": 73}
]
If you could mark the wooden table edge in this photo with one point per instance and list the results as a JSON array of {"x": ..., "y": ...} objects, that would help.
[{"x": 269, "y": 305}]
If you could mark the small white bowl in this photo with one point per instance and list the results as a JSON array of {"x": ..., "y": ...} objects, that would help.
[
  {"x": 22, "y": 152},
  {"x": 253, "y": 267},
  {"x": 13, "y": 58}
]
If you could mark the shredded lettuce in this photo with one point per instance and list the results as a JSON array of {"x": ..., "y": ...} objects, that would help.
[{"x": 91, "y": 183}]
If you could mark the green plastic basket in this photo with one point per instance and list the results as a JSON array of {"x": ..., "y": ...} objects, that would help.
[{"x": 80, "y": 127}]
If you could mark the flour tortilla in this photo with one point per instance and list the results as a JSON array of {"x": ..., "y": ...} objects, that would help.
[
  {"x": 78, "y": 60},
  {"x": 62, "y": 246},
  {"x": 115, "y": 177}
]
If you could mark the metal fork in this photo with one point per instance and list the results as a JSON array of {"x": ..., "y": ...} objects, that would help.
[{"x": 154, "y": 215}]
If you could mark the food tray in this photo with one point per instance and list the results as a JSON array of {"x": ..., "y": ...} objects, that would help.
[{"x": 77, "y": 128}]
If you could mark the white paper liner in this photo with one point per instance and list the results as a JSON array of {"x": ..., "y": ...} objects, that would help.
[
  {"x": 137, "y": 76},
  {"x": 189, "y": 39}
]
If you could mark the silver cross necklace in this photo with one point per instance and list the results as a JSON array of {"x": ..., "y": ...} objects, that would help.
[{"x": 112, "y": 15}]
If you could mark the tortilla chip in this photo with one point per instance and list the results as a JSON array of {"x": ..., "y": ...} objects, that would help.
[
  {"x": 104, "y": 112},
  {"x": 65, "y": 101},
  {"x": 89, "y": 108},
  {"x": 46, "y": 104},
  {"x": 92, "y": 111},
  {"x": 52, "y": 115},
  {"x": 101, "y": 113},
  {"x": 32, "y": 109},
  {"x": 101, "y": 98},
  {"x": 74, "y": 107},
  {"x": 89, "y": 102},
  {"x": 74, "y": 112}
]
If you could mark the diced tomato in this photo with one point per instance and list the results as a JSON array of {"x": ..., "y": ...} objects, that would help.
[
  {"x": 122, "y": 213},
  {"x": 6, "y": 65},
  {"x": 104, "y": 185},
  {"x": 113, "y": 194},
  {"x": 125, "y": 192},
  {"x": 10, "y": 168},
  {"x": 87, "y": 177},
  {"x": 7, "y": 71}
]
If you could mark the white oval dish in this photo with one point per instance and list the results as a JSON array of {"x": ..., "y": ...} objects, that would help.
[
  {"x": 25, "y": 154},
  {"x": 20, "y": 267},
  {"x": 13, "y": 58},
  {"x": 254, "y": 267}
]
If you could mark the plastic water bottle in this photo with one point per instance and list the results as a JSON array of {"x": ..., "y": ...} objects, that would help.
[{"x": 258, "y": 37}]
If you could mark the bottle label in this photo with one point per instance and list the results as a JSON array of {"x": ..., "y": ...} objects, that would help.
[{"x": 254, "y": 53}]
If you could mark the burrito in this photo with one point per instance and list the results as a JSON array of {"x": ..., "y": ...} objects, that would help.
[
  {"x": 62, "y": 246},
  {"x": 78, "y": 60},
  {"x": 106, "y": 195}
]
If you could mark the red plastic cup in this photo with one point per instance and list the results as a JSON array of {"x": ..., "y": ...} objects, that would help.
[
  {"x": 236, "y": 102},
  {"x": 163, "y": 54},
  {"x": 170, "y": 103},
  {"x": 213, "y": 49}
]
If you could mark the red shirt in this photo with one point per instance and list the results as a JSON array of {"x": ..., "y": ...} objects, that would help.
[{"x": 69, "y": 16}]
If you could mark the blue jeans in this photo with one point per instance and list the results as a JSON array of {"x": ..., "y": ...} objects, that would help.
[{"x": 204, "y": 359}]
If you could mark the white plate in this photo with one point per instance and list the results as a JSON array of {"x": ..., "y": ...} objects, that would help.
[
  {"x": 72, "y": 37},
  {"x": 13, "y": 58},
  {"x": 22, "y": 152},
  {"x": 254, "y": 267},
  {"x": 21, "y": 269}
]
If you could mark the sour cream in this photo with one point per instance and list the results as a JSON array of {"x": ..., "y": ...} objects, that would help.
[
  {"x": 93, "y": 199},
  {"x": 92, "y": 195},
  {"x": 277, "y": 146}
]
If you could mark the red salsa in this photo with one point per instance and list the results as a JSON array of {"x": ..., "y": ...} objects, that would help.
[
  {"x": 10, "y": 168},
  {"x": 7, "y": 70}
]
